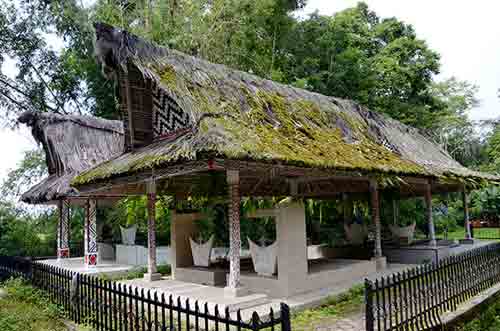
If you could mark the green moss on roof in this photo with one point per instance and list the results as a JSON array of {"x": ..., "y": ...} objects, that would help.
[{"x": 241, "y": 116}]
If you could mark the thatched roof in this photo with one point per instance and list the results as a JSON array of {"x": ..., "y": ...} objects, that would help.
[
  {"x": 71, "y": 144},
  {"x": 238, "y": 116}
]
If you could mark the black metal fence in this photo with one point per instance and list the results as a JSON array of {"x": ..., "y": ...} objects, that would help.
[
  {"x": 113, "y": 306},
  {"x": 416, "y": 298}
]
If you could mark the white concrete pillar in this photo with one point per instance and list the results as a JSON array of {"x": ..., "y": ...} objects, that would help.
[
  {"x": 90, "y": 233},
  {"x": 233, "y": 181},
  {"x": 428, "y": 214},
  {"x": 152, "y": 274},
  {"x": 292, "y": 248},
  {"x": 465, "y": 199},
  {"x": 63, "y": 228},
  {"x": 182, "y": 226}
]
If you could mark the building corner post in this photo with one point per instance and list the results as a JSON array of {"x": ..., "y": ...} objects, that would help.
[
  {"x": 233, "y": 288},
  {"x": 63, "y": 228},
  {"x": 465, "y": 199},
  {"x": 90, "y": 233},
  {"x": 152, "y": 273},
  {"x": 428, "y": 214},
  {"x": 380, "y": 260}
]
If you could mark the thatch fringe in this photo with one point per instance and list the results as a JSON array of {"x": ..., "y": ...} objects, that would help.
[{"x": 72, "y": 144}]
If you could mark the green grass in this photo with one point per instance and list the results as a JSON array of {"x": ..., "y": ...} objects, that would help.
[
  {"x": 332, "y": 309},
  {"x": 139, "y": 272},
  {"x": 27, "y": 309}
]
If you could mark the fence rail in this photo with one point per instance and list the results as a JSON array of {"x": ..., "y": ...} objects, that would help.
[
  {"x": 112, "y": 306},
  {"x": 416, "y": 298}
]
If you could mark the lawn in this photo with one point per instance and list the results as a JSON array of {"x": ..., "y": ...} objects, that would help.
[
  {"x": 334, "y": 308},
  {"x": 27, "y": 309}
]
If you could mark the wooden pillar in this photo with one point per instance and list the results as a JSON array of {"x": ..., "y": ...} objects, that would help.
[
  {"x": 233, "y": 182},
  {"x": 428, "y": 214},
  {"x": 152, "y": 274},
  {"x": 375, "y": 214},
  {"x": 347, "y": 208},
  {"x": 90, "y": 233},
  {"x": 395, "y": 211},
  {"x": 63, "y": 227},
  {"x": 465, "y": 199}
]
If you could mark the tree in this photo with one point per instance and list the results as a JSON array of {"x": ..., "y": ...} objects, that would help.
[
  {"x": 31, "y": 168},
  {"x": 356, "y": 55},
  {"x": 453, "y": 129}
]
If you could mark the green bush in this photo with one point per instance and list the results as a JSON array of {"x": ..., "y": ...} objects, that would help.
[{"x": 28, "y": 309}]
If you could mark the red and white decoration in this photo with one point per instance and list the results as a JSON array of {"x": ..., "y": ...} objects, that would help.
[
  {"x": 63, "y": 230},
  {"x": 91, "y": 248}
]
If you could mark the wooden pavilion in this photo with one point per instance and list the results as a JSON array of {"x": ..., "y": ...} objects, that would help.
[
  {"x": 194, "y": 128},
  {"x": 71, "y": 144}
]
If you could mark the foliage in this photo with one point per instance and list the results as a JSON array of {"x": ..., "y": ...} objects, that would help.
[
  {"x": 487, "y": 320},
  {"x": 31, "y": 168},
  {"x": 21, "y": 233},
  {"x": 28, "y": 309},
  {"x": 133, "y": 211}
]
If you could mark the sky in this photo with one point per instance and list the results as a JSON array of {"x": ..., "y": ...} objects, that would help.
[{"x": 465, "y": 33}]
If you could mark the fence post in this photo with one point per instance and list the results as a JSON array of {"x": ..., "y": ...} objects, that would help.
[
  {"x": 369, "y": 305},
  {"x": 286, "y": 324}
]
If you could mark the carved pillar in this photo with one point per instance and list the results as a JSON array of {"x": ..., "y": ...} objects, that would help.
[
  {"x": 233, "y": 182},
  {"x": 428, "y": 214},
  {"x": 395, "y": 211},
  {"x": 375, "y": 213},
  {"x": 465, "y": 199},
  {"x": 347, "y": 208},
  {"x": 152, "y": 273},
  {"x": 91, "y": 249},
  {"x": 63, "y": 230}
]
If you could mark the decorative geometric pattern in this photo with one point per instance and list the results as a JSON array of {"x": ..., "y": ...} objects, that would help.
[
  {"x": 63, "y": 230},
  {"x": 151, "y": 230},
  {"x": 375, "y": 213},
  {"x": 91, "y": 248},
  {"x": 168, "y": 117},
  {"x": 234, "y": 229}
]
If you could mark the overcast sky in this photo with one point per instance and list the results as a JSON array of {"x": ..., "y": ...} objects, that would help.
[{"x": 465, "y": 33}]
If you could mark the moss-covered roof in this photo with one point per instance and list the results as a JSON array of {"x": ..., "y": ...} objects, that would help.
[{"x": 241, "y": 116}]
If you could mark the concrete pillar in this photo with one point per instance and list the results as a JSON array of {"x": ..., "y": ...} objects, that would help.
[
  {"x": 428, "y": 214},
  {"x": 63, "y": 228},
  {"x": 292, "y": 247},
  {"x": 152, "y": 274},
  {"x": 375, "y": 214},
  {"x": 182, "y": 226},
  {"x": 90, "y": 233},
  {"x": 465, "y": 199},
  {"x": 233, "y": 181}
]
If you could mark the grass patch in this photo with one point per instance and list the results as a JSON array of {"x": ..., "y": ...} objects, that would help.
[
  {"x": 487, "y": 320},
  {"x": 28, "y": 309},
  {"x": 139, "y": 272},
  {"x": 333, "y": 308}
]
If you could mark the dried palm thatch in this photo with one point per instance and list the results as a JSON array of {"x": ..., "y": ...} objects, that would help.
[
  {"x": 238, "y": 116},
  {"x": 71, "y": 144}
]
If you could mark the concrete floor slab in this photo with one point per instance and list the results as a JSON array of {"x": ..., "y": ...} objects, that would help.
[{"x": 76, "y": 264}]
